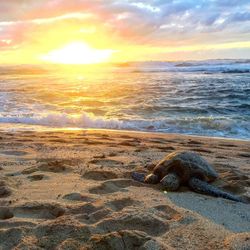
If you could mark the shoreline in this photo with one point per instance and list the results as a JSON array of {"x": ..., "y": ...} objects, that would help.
[
  {"x": 79, "y": 182},
  {"x": 24, "y": 127}
]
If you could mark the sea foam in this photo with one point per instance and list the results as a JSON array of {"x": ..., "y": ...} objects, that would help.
[
  {"x": 210, "y": 98},
  {"x": 209, "y": 126}
]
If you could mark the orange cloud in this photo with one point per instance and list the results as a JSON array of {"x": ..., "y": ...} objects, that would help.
[{"x": 140, "y": 30}]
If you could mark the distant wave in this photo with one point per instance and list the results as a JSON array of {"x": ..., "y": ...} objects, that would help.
[
  {"x": 229, "y": 69},
  {"x": 187, "y": 100},
  {"x": 207, "y": 66},
  {"x": 236, "y": 71},
  {"x": 210, "y": 126}
]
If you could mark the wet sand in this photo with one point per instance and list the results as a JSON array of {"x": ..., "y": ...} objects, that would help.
[{"x": 72, "y": 190}]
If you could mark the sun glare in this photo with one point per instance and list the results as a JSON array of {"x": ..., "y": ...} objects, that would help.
[{"x": 78, "y": 53}]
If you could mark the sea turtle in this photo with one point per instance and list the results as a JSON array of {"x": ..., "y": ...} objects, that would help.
[{"x": 185, "y": 168}]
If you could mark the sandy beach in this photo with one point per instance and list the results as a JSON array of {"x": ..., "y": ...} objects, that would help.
[{"x": 72, "y": 189}]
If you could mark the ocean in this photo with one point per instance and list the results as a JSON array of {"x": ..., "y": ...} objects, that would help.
[{"x": 206, "y": 98}]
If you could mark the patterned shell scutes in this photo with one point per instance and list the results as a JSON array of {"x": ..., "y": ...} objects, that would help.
[{"x": 190, "y": 161}]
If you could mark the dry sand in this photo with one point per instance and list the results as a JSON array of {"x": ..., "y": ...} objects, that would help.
[{"x": 73, "y": 190}]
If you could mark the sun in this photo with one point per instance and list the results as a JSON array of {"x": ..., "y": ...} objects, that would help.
[{"x": 78, "y": 53}]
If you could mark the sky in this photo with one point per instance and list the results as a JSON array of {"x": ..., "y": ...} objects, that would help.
[{"x": 36, "y": 31}]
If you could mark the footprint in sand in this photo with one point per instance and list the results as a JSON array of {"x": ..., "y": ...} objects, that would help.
[
  {"x": 119, "y": 204},
  {"x": 77, "y": 197},
  {"x": 234, "y": 175},
  {"x": 10, "y": 237},
  {"x": 47, "y": 235},
  {"x": 166, "y": 212},
  {"x": 38, "y": 210},
  {"x": 246, "y": 155},
  {"x": 4, "y": 190},
  {"x": 228, "y": 145},
  {"x": 112, "y": 153},
  {"x": 37, "y": 177},
  {"x": 202, "y": 150},
  {"x": 58, "y": 141},
  {"x": 165, "y": 148},
  {"x": 92, "y": 142},
  {"x": 101, "y": 136},
  {"x": 6, "y": 224},
  {"x": 5, "y": 213},
  {"x": 126, "y": 137},
  {"x": 14, "y": 153},
  {"x": 99, "y": 215},
  {"x": 86, "y": 208},
  {"x": 221, "y": 157},
  {"x": 114, "y": 186},
  {"x": 194, "y": 142},
  {"x": 56, "y": 166},
  {"x": 124, "y": 239},
  {"x": 30, "y": 170},
  {"x": 89, "y": 213},
  {"x": 158, "y": 140},
  {"x": 106, "y": 162},
  {"x": 99, "y": 175},
  {"x": 94, "y": 217},
  {"x": 99, "y": 156},
  {"x": 24, "y": 140},
  {"x": 140, "y": 149},
  {"x": 70, "y": 244},
  {"x": 134, "y": 220},
  {"x": 129, "y": 143}
]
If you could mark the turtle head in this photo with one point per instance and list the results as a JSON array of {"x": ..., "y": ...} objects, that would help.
[
  {"x": 171, "y": 182},
  {"x": 151, "y": 179}
]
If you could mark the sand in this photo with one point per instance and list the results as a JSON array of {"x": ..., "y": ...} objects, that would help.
[{"x": 72, "y": 190}]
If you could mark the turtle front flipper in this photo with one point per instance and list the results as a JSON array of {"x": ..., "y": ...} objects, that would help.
[
  {"x": 138, "y": 176},
  {"x": 205, "y": 188}
]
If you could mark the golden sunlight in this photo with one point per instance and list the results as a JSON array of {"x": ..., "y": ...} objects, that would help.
[{"x": 78, "y": 53}]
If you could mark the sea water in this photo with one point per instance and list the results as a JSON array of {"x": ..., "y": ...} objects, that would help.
[{"x": 207, "y": 98}]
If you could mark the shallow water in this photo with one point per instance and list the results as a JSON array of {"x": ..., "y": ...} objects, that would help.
[{"x": 209, "y": 98}]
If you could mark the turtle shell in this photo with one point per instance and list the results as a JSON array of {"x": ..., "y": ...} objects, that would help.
[{"x": 186, "y": 164}]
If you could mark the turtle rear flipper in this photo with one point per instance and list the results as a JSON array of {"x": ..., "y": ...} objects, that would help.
[
  {"x": 203, "y": 187},
  {"x": 138, "y": 176}
]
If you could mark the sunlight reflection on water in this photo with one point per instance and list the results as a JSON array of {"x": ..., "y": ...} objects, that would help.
[{"x": 180, "y": 102}]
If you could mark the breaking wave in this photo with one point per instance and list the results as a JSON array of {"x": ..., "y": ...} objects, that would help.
[
  {"x": 208, "y": 126},
  {"x": 210, "y": 98}
]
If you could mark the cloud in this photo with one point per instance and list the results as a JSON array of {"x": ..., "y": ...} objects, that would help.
[
  {"x": 149, "y": 22},
  {"x": 240, "y": 17}
]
